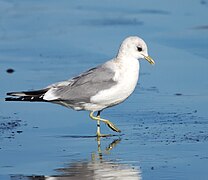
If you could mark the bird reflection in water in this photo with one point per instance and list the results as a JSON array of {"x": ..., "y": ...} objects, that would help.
[{"x": 97, "y": 168}]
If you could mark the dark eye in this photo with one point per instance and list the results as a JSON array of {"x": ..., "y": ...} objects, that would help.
[{"x": 139, "y": 49}]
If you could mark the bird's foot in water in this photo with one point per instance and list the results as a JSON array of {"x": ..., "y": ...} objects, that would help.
[{"x": 99, "y": 135}]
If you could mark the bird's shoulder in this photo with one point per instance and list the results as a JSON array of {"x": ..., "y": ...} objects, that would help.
[{"x": 98, "y": 74}]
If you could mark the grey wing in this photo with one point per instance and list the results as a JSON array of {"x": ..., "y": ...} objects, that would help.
[{"x": 86, "y": 85}]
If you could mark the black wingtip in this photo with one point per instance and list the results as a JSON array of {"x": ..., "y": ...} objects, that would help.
[
  {"x": 9, "y": 99},
  {"x": 27, "y": 96}
]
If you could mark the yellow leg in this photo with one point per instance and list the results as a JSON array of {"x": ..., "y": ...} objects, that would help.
[
  {"x": 98, "y": 128},
  {"x": 98, "y": 119},
  {"x": 99, "y": 135},
  {"x": 98, "y": 125}
]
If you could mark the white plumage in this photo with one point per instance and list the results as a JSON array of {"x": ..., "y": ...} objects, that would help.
[{"x": 98, "y": 88}]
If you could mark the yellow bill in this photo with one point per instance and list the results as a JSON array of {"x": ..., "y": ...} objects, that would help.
[{"x": 149, "y": 59}]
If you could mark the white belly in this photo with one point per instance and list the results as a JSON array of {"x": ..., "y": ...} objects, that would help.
[{"x": 127, "y": 78}]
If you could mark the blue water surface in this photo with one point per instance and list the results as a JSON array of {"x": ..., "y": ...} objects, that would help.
[{"x": 164, "y": 123}]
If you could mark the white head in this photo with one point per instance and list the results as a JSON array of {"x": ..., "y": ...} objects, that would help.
[{"x": 134, "y": 47}]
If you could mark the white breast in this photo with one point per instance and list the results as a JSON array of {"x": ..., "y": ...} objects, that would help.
[{"x": 127, "y": 77}]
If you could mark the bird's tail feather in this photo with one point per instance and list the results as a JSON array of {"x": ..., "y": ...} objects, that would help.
[{"x": 27, "y": 95}]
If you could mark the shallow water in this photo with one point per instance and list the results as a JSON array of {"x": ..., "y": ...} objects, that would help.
[{"x": 164, "y": 123}]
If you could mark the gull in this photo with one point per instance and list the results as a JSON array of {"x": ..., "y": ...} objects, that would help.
[{"x": 101, "y": 87}]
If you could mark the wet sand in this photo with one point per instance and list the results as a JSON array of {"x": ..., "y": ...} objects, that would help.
[{"x": 164, "y": 123}]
